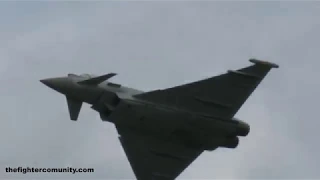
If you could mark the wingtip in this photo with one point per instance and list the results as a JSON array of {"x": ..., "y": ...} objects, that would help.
[{"x": 266, "y": 63}]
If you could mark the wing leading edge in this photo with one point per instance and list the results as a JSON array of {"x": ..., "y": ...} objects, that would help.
[
  {"x": 220, "y": 96},
  {"x": 153, "y": 159}
]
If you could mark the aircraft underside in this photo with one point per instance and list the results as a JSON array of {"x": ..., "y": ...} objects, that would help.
[
  {"x": 163, "y": 131},
  {"x": 171, "y": 125}
]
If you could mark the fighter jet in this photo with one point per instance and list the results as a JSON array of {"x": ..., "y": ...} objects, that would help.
[{"x": 163, "y": 131}]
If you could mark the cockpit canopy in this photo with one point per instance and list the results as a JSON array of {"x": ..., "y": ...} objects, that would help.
[{"x": 87, "y": 76}]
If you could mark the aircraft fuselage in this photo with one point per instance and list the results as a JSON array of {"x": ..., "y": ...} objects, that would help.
[
  {"x": 117, "y": 104},
  {"x": 163, "y": 131},
  {"x": 167, "y": 122}
]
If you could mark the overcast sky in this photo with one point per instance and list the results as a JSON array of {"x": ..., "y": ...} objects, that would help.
[{"x": 155, "y": 45}]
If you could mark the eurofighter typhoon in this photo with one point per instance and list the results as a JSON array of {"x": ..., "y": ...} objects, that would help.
[{"x": 163, "y": 131}]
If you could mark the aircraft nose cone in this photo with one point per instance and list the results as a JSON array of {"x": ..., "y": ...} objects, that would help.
[
  {"x": 58, "y": 84},
  {"x": 48, "y": 82}
]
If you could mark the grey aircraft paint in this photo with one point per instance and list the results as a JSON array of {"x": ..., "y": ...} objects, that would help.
[{"x": 163, "y": 131}]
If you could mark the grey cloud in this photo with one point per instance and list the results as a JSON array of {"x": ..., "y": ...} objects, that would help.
[{"x": 157, "y": 45}]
